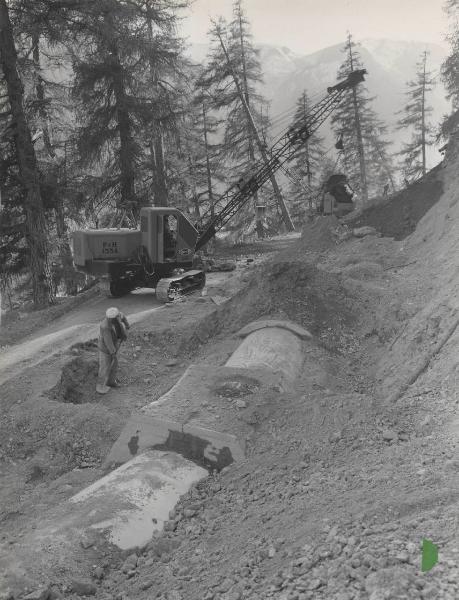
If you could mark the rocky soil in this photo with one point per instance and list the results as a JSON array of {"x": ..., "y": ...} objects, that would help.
[{"x": 344, "y": 477}]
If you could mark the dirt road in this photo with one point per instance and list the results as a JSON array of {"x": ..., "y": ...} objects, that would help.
[
  {"x": 76, "y": 327},
  {"x": 81, "y": 325}
]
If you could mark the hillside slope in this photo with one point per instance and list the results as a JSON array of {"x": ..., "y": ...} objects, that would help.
[{"x": 346, "y": 476}]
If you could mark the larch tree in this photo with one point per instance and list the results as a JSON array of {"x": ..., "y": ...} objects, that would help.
[
  {"x": 45, "y": 68},
  {"x": 306, "y": 170},
  {"x": 122, "y": 82},
  {"x": 347, "y": 118},
  {"x": 169, "y": 74},
  {"x": 207, "y": 159},
  {"x": 378, "y": 155},
  {"x": 450, "y": 69},
  {"x": 34, "y": 221},
  {"x": 415, "y": 119},
  {"x": 233, "y": 74},
  {"x": 365, "y": 151}
]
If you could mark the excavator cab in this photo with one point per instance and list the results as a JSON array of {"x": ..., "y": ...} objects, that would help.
[
  {"x": 337, "y": 197},
  {"x": 168, "y": 236}
]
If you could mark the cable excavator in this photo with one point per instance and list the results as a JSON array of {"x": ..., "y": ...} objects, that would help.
[{"x": 160, "y": 254}]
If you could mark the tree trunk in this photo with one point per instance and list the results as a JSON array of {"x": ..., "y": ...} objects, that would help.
[
  {"x": 128, "y": 199},
  {"x": 245, "y": 85},
  {"x": 384, "y": 163},
  {"x": 126, "y": 168},
  {"x": 157, "y": 142},
  {"x": 358, "y": 131},
  {"x": 67, "y": 271},
  {"x": 36, "y": 229},
  {"x": 65, "y": 254},
  {"x": 423, "y": 116},
  {"x": 208, "y": 170},
  {"x": 161, "y": 196},
  {"x": 40, "y": 92}
]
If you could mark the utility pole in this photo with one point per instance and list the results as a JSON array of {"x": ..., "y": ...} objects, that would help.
[{"x": 284, "y": 210}]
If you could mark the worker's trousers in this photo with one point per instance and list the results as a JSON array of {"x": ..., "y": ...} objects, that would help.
[{"x": 108, "y": 366}]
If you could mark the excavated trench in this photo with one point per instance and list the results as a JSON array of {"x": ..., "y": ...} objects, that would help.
[
  {"x": 77, "y": 382},
  {"x": 78, "y": 378},
  {"x": 188, "y": 438},
  {"x": 127, "y": 506}
]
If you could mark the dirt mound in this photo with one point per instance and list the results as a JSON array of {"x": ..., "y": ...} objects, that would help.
[
  {"x": 362, "y": 270},
  {"x": 291, "y": 289},
  {"x": 398, "y": 216},
  {"x": 78, "y": 381},
  {"x": 319, "y": 235}
]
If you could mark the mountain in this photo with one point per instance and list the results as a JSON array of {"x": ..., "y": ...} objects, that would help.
[{"x": 390, "y": 64}]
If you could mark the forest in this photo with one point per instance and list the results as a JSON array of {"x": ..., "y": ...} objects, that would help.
[{"x": 103, "y": 112}]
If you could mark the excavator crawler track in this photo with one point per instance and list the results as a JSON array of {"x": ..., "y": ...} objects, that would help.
[{"x": 172, "y": 288}]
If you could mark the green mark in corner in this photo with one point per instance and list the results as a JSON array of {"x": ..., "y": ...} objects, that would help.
[{"x": 429, "y": 555}]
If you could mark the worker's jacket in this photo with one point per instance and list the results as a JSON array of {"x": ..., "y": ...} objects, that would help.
[{"x": 112, "y": 333}]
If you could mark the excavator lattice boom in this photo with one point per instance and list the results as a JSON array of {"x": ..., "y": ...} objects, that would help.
[{"x": 160, "y": 254}]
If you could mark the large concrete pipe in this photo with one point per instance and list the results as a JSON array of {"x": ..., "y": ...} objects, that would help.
[
  {"x": 171, "y": 444},
  {"x": 123, "y": 502},
  {"x": 269, "y": 358},
  {"x": 272, "y": 345},
  {"x": 124, "y": 508},
  {"x": 198, "y": 420}
]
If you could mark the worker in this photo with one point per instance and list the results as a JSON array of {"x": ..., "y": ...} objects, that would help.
[
  {"x": 386, "y": 190},
  {"x": 112, "y": 334}
]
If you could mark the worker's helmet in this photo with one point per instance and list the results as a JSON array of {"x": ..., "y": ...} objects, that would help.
[{"x": 112, "y": 313}]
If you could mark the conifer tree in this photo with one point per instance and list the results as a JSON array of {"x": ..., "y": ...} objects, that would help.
[
  {"x": 450, "y": 69},
  {"x": 233, "y": 73},
  {"x": 307, "y": 168},
  {"x": 365, "y": 151},
  {"x": 32, "y": 209},
  {"x": 415, "y": 118},
  {"x": 123, "y": 84},
  {"x": 206, "y": 158},
  {"x": 168, "y": 86},
  {"x": 348, "y": 120}
]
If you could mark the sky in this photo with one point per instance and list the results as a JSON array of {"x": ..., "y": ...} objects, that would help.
[{"x": 305, "y": 26}]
